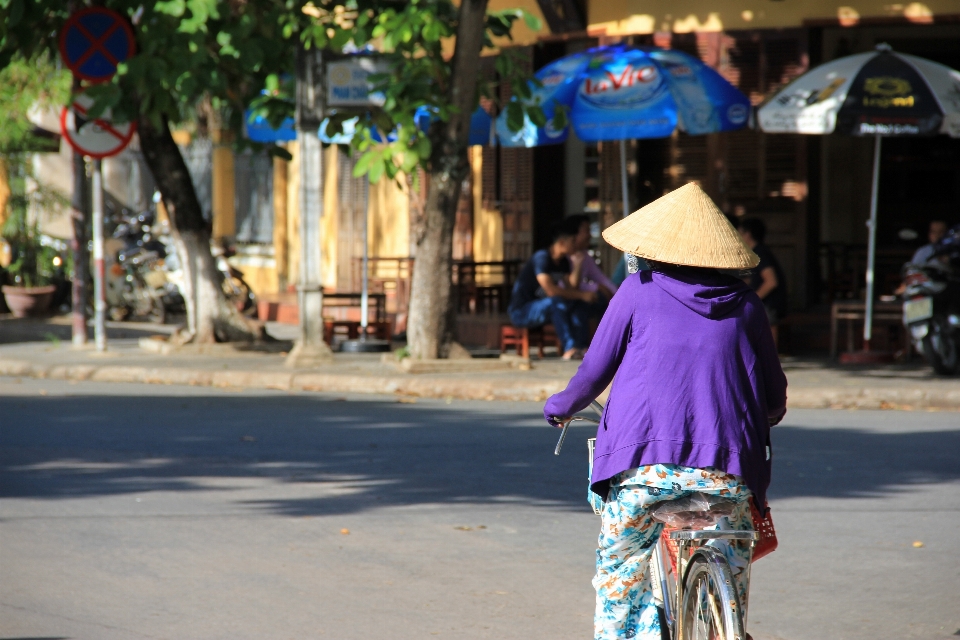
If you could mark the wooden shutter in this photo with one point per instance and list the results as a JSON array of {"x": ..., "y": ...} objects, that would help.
[
  {"x": 463, "y": 225},
  {"x": 516, "y": 190},
  {"x": 748, "y": 172},
  {"x": 764, "y": 175},
  {"x": 352, "y": 193}
]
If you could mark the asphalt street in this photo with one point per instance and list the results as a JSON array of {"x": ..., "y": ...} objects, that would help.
[{"x": 142, "y": 511}]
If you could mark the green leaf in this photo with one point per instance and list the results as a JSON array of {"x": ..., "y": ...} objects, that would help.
[
  {"x": 391, "y": 170},
  {"x": 515, "y": 116},
  {"x": 559, "y": 117},
  {"x": 432, "y": 32},
  {"x": 424, "y": 147},
  {"x": 175, "y": 8},
  {"x": 376, "y": 170},
  {"x": 410, "y": 161},
  {"x": 272, "y": 84},
  {"x": 536, "y": 116},
  {"x": 340, "y": 39},
  {"x": 16, "y": 13},
  {"x": 277, "y": 151},
  {"x": 533, "y": 22},
  {"x": 363, "y": 163}
]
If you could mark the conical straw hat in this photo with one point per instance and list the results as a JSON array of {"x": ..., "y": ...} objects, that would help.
[{"x": 683, "y": 227}]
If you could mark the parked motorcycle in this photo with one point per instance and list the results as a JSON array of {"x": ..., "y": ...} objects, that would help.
[
  {"x": 234, "y": 286},
  {"x": 931, "y": 305},
  {"x": 137, "y": 280}
]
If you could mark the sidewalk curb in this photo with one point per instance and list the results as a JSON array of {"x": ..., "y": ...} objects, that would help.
[
  {"x": 478, "y": 387},
  {"x": 904, "y": 398},
  {"x": 419, "y": 385}
]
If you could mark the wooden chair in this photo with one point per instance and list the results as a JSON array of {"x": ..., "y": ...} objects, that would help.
[{"x": 519, "y": 338}]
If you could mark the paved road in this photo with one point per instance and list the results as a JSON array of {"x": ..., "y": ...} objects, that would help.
[{"x": 131, "y": 511}]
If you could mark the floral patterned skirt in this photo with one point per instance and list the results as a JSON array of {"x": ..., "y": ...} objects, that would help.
[{"x": 625, "y": 603}]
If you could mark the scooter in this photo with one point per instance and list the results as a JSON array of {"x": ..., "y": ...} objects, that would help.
[
  {"x": 137, "y": 277},
  {"x": 931, "y": 305}
]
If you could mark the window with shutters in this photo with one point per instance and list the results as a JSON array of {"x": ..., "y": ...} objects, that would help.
[
  {"x": 463, "y": 224},
  {"x": 748, "y": 172},
  {"x": 253, "y": 197},
  {"x": 758, "y": 174},
  {"x": 516, "y": 190},
  {"x": 352, "y": 193}
]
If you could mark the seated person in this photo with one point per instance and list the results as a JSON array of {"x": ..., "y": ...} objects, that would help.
[
  {"x": 936, "y": 233},
  {"x": 926, "y": 253},
  {"x": 539, "y": 299},
  {"x": 767, "y": 278},
  {"x": 591, "y": 277}
]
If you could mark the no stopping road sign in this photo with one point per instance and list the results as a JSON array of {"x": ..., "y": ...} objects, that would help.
[
  {"x": 97, "y": 137},
  {"x": 94, "y": 41}
]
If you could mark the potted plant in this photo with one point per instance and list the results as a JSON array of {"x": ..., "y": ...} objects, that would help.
[
  {"x": 28, "y": 85},
  {"x": 29, "y": 280}
]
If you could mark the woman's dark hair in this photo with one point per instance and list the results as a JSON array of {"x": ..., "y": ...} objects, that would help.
[
  {"x": 755, "y": 227},
  {"x": 561, "y": 230},
  {"x": 573, "y": 223},
  {"x": 666, "y": 267}
]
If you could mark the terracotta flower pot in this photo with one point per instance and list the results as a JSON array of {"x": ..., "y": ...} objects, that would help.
[{"x": 27, "y": 302}]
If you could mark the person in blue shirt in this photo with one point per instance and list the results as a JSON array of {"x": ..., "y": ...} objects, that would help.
[
  {"x": 538, "y": 297},
  {"x": 936, "y": 233}
]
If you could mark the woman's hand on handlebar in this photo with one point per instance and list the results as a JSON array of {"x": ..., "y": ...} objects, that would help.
[{"x": 558, "y": 421}]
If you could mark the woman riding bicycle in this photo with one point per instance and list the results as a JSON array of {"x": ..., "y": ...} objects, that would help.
[{"x": 696, "y": 386}]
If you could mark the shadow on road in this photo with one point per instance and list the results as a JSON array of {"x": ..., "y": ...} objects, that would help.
[{"x": 358, "y": 455}]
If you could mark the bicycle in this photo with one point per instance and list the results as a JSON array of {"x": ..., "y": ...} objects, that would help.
[{"x": 710, "y": 607}]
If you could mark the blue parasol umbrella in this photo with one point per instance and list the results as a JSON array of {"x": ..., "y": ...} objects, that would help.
[{"x": 621, "y": 92}]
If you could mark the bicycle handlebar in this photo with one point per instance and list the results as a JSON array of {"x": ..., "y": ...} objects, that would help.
[{"x": 596, "y": 406}]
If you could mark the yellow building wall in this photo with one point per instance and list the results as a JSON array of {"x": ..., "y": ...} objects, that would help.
[
  {"x": 329, "y": 227},
  {"x": 388, "y": 218},
  {"x": 4, "y": 191},
  {"x": 625, "y": 17},
  {"x": 224, "y": 194},
  {"x": 487, "y": 223},
  {"x": 280, "y": 207},
  {"x": 260, "y": 274},
  {"x": 293, "y": 214},
  {"x": 521, "y": 33}
]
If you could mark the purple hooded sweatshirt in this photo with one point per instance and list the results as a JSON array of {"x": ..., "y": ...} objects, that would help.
[{"x": 696, "y": 378}]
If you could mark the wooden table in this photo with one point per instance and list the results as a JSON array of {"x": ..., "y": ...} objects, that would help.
[
  {"x": 378, "y": 327},
  {"x": 484, "y": 286},
  {"x": 852, "y": 311}
]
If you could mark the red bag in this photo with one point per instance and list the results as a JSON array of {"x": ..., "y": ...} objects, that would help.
[{"x": 763, "y": 525}]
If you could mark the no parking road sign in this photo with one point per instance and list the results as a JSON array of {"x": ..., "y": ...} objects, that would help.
[
  {"x": 97, "y": 137},
  {"x": 94, "y": 41}
]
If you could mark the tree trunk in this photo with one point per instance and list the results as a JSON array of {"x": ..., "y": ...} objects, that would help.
[
  {"x": 430, "y": 326},
  {"x": 210, "y": 316}
]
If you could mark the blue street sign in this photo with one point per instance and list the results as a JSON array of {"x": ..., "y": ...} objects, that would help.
[{"x": 94, "y": 41}]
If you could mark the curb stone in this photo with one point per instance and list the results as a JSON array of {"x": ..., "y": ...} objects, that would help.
[{"x": 479, "y": 386}]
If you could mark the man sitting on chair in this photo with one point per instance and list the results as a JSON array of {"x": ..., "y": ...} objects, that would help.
[{"x": 538, "y": 299}]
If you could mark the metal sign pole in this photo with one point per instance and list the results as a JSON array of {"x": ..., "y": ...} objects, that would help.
[
  {"x": 364, "y": 300},
  {"x": 79, "y": 215},
  {"x": 624, "y": 191},
  {"x": 100, "y": 303},
  {"x": 365, "y": 344},
  {"x": 871, "y": 247}
]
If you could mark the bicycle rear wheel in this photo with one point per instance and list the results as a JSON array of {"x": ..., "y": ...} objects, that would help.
[{"x": 711, "y": 608}]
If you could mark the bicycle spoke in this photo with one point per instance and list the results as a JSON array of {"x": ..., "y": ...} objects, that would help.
[
  {"x": 702, "y": 620},
  {"x": 715, "y": 612}
]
